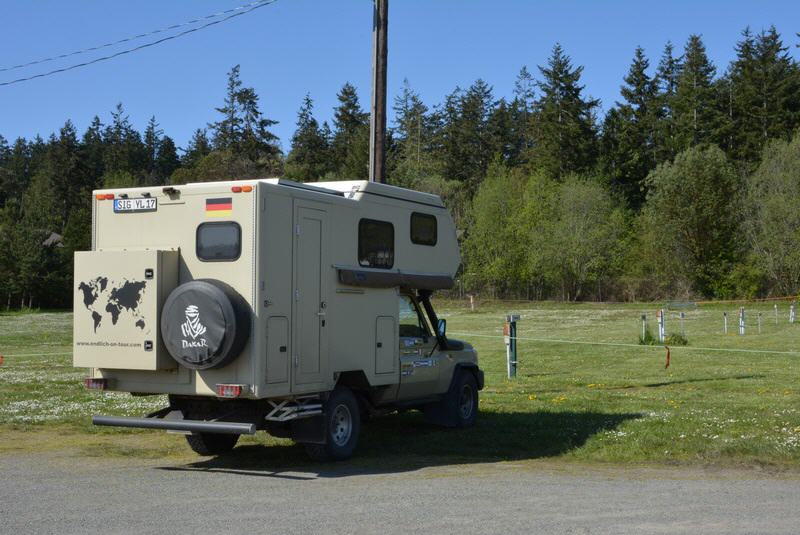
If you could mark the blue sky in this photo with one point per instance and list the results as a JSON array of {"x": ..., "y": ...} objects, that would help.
[{"x": 299, "y": 46}]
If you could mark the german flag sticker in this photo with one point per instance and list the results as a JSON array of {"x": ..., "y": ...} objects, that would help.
[{"x": 219, "y": 207}]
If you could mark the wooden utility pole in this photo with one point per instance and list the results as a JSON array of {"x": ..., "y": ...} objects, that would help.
[{"x": 377, "y": 121}]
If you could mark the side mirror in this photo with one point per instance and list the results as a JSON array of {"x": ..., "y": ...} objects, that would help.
[{"x": 441, "y": 327}]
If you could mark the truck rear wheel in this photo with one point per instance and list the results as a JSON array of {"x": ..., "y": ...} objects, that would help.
[
  {"x": 211, "y": 443},
  {"x": 342, "y": 420}
]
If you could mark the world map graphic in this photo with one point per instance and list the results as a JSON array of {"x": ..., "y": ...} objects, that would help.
[{"x": 116, "y": 299}]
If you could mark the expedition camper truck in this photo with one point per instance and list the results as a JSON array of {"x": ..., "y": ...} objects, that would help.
[{"x": 298, "y": 309}]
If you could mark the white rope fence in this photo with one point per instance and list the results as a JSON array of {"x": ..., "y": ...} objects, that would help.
[{"x": 640, "y": 346}]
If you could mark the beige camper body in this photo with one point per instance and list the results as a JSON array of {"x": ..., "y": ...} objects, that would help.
[{"x": 334, "y": 277}]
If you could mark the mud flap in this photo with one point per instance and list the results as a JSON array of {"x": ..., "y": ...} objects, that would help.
[{"x": 309, "y": 430}]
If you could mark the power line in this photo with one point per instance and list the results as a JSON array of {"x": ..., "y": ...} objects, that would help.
[
  {"x": 132, "y": 38},
  {"x": 140, "y": 47}
]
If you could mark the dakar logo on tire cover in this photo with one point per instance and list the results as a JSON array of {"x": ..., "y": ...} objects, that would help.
[{"x": 192, "y": 327}]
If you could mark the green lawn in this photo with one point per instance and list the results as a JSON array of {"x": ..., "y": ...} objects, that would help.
[{"x": 580, "y": 402}]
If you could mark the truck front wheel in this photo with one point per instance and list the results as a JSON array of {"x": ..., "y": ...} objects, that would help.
[
  {"x": 459, "y": 407},
  {"x": 211, "y": 443},
  {"x": 342, "y": 420}
]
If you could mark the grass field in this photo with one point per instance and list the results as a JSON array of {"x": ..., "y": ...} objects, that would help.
[{"x": 570, "y": 401}]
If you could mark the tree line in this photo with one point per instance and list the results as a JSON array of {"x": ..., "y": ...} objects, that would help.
[{"x": 687, "y": 186}]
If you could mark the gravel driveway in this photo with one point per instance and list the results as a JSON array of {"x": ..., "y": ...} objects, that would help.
[{"x": 67, "y": 493}]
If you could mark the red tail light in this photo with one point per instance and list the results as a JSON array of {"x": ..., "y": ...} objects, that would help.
[
  {"x": 95, "y": 384},
  {"x": 109, "y": 196},
  {"x": 236, "y": 189},
  {"x": 231, "y": 391}
]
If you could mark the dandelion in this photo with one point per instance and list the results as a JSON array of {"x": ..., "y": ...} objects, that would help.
[{"x": 532, "y": 397}]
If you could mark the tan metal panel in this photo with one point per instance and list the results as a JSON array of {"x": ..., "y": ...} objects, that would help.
[
  {"x": 118, "y": 297},
  {"x": 385, "y": 345},
  {"x": 277, "y": 350}
]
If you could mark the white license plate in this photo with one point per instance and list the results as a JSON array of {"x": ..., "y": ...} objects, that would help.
[{"x": 141, "y": 204}]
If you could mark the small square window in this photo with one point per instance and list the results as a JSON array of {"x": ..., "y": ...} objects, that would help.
[
  {"x": 375, "y": 244},
  {"x": 423, "y": 229},
  {"x": 219, "y": 241}
]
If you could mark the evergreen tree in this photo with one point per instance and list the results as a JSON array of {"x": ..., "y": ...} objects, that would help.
[
  {"x": 258, "y": 143},
  {"x": 308, "y": 159},
  {"x": 350, "y": 143},
  {"x": 464, "y": 136},
  {"x": 565, "y": 124},
  {"x": 152, "y": 145},
  {"x": 764, "y": 98},
  {"x": 125, "y": 151},
  {"x": 92, "y": 151},
  {"x": 412, "y": 157},
  {"x": 697, "y": 116},
  {"x": 199, "y": 146},
  {"x": 667, "y": 75},
  {"x": 628, "y": 140},
  {"x": 520, "y": 137},
  {"x": 167, "y": 161},
  {"x": 66, "y": 172},
  {"x": 227, "y": 132},
  {"x": 5, "y": 173},
  {"x": 243, "y": 131}
]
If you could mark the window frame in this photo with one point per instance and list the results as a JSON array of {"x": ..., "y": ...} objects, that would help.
[
  {"x": 217, "y": 224},
  {"x": 435, "y": 229},
  {"x": 394, "y": 248},
  {"x": 421, "y": 318}
]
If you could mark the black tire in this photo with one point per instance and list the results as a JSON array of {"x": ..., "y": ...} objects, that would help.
[
  {"x": 342, "y": 425},
  {"x": 459, "y": 407},
  {"x": 205, "y": 324},
  {"x": 465, "y": 400},
  {"x": 212, "y": 443}
]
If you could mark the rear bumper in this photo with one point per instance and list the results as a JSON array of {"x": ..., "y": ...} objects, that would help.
[{"x": 192, "y": 426}]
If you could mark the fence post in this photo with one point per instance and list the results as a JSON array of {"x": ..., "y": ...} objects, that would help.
[
  {"x": 472, "y": 303},
  {"x": 741, "y": 321},
  {"x": 510, "y": 335},
  {"x": 644, "y": 327},
  {"x": 683, "y": 331},
  {"x": 791, "y": 313},
  {"x": 776, "y": 313},
  {"x": 759, "y": 323},
  {"x": 662, "y": 327},
  {"x": 725, "y": 322}
]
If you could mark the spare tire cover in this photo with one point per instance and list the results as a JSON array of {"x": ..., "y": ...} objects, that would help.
[{"x": 204, "y": 324}]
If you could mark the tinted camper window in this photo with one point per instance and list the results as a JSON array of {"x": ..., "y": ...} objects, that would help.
[
  {"x": 219, "y": 241},
  {"x": 423, "y": 229},
  {"x": 375, "y": 244}
]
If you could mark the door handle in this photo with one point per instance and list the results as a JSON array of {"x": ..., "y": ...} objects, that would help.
[{"x": 321, "y": 314}]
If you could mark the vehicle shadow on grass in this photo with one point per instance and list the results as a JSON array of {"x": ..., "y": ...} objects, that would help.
[
  {"x": 688, "y": 381},
  {"x": 405, "y": 442}
]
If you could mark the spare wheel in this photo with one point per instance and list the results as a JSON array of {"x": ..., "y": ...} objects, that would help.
[{"x": 205, "y": 324}]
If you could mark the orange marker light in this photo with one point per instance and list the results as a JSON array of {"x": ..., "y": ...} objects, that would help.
[
  {"x": 247, "y": 189},
  {"x": 99, "y": 196},
  {"x": 236, "y": 189}
]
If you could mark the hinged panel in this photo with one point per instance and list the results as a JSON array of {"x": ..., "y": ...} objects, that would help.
[{"x": 118, "y": 297}]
